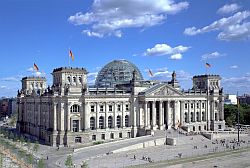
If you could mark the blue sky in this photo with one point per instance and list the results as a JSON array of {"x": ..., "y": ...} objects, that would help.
[{"x": 161, "y": 35}]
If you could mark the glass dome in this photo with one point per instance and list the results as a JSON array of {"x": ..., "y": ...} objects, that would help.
[{"x": 117, "y": 72}]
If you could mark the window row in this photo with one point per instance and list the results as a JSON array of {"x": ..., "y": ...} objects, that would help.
[
  {"x": 74, "y": 79},
  {"x": 109, "y": 108},
  {"x": 76, "y": 108},
  {"x": 194, "y": 118},
  {"x": 197, "y": 105},
  {"x": 110, "y": 123}
]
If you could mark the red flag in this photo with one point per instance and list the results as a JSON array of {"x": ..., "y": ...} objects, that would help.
[
  {"x": 35, "y": 67},
  {"x": 71, "y": 55},
  {"x": 208, "y": 65}
]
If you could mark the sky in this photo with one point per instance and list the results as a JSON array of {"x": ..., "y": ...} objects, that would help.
[{"x": 160, "y": 35}]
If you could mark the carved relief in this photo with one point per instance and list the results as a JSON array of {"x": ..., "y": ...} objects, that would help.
[{"x": 164, "y": 91}]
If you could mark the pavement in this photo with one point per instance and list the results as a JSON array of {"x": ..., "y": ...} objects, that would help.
[{"x": 101, "y": 156}]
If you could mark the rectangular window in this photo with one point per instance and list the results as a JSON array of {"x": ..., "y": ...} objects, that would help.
[
  {"x": 118, "y": 107},
  {"x": 203, "y": 105},
  {"x": 78, "y": 140},
  {"x": 101, "y": 108},
  {"x": 127, "y": 107},
  {"x": 197, "y": 105},
  {"x": 103, "y": 136},
  {"x": 75, "y": 125},
  {"x": 186, "y": 105},
  {"x": 192, "y": 105},
  {"x": 120, "y": 135},
  {"x": 111, "y": 135},
  {"x": 92, "y": 108},
  {"x": 110, "y": 108},
  {"x": 94, "y": 137}
]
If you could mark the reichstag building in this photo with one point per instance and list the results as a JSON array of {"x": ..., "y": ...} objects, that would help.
[{"x": 120, "y": 105}]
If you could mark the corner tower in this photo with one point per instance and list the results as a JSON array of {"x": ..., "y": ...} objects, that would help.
[{"x": 68, "y": 80}]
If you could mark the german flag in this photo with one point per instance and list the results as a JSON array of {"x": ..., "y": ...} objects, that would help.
[
  {"x": 208, "y": 65},
  {"x": 35, "y": 67},
  {"x": 71, "y": 55},
  {"x": 150, "y": 73}
]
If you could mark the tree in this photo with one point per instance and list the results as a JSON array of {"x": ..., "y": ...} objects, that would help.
[
  {"x": 41, "y": 164},
  {"x": 84, "y": 164},
  {"x": 36, "y": 147},
  {"x": 30, "y": 159},
  {"x": 22, "y": 139},
  {"x": 28, "y": 144},
  {"x": 13, "y": 120},
  {"x": 69, "y": 161}
]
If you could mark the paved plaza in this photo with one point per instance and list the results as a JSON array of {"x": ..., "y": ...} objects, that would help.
[{"x": 101, "y": 156}]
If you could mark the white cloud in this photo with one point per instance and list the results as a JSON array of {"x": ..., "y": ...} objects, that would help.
[
  {"x": 109, "y": 17},
  {"x": 176, "y": 56},
  {"x": 164, "y": 49},
  {"x": 235, "y": 27},
  {"x": 212, "y": 55},
  {"x": 31, "y": 69},
  {"x": 239, "y": 83},
  {"x": 12, "y": 78},
  {"x": 163, "y": 74},
  {"x": 228, "y": 8},
  {"x": 3, "y": 87},
  {"x": 234, "y": 67}
]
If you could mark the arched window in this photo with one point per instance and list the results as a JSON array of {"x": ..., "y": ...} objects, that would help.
[
  {"x": 186, "y": 118},
  {"x": 75, "y": 108},
  {"x": 92, "y": 123},
  {"x": 69, "y": 79},
  {"x": 126, "y": 121},
  {"x": 101, "y": 122},
  {"x": 110, "y": 121},
  {"x": 118, "y": 121}
]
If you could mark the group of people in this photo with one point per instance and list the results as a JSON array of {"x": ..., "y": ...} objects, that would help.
[{"x": 147, "y": 158}]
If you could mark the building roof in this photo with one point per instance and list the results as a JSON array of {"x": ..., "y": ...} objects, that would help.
[{"x": 117, "y": 72}]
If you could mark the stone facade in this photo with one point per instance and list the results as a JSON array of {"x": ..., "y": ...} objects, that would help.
[{"x": 71, "y": 112}]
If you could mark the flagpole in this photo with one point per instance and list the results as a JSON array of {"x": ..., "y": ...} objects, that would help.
[
  {"x": 238, "y": 116},
  {"x": 68, "y": 56}
]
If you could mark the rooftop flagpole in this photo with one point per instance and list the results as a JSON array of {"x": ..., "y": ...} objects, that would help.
[{"x": 69, "y": 56}]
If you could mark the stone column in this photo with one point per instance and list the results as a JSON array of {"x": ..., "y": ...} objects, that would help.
[
  {"x": 106, "y": 116},
  {"x": 168, "y": 115},
  {"x": 97, "y": 116},
  {"x": 189, "y": 110},
  {"x": 195, "y": 111},
  {"x": 145, "y": 114},
  {"x": 62, "y": 118},
  {"x": 222, "y": 110},
  {"x": 212, "y": 110},
  {"x": 115, "y": 113},
  {"x": 154, "y": 116},
  {"x": 68, "y": 119},
  {"x": 176, "y": 113},
  {"x": 160, "y": 116},
  {"x": 86, "y": 116},
  {"x": 208, "y": 114},
  {"x": 54, "y": 117},
  {"x": 181, "y": 112},
  {"x": 123, "y": 115}
]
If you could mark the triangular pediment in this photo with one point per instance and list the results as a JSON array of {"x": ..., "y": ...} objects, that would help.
[{"x": 162, "y": 90}]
